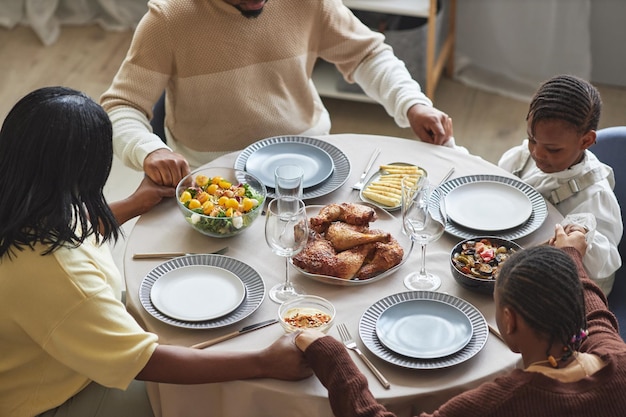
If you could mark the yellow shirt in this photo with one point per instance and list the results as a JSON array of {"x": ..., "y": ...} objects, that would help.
[{"x": 62, "y": 326}]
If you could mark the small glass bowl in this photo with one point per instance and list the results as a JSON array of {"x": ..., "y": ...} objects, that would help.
[{"x": 306, "y": 311}]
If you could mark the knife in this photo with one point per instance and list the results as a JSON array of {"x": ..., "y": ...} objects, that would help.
[
  {"x": 170, "y": 255},
  {"x": 239, "y": 332}
]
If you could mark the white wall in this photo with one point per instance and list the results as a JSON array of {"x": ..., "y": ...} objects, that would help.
[{"x": 608, "y": 42}]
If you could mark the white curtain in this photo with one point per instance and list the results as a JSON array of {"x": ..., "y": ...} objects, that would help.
[
  {"x": 47, "y": 16},
  {"x": 510, "y": 46}
]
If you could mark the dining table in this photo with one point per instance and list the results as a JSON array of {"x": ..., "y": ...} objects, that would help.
[{"x": 164, "y": 229}]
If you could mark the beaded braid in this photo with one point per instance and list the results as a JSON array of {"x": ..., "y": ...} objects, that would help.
[
  {"x": 543, "y": 286},
  {"x": 567, "y": 98}
]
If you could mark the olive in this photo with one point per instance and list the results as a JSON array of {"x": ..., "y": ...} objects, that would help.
[{"x": 485, "y": 269}]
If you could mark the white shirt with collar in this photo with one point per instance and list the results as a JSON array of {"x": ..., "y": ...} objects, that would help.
[{"x": 594, "y": 201}]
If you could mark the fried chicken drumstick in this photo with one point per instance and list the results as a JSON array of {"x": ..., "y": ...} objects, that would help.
[
  {"x": 355, "y": 214},
  {"x": 342, "y": 245}
]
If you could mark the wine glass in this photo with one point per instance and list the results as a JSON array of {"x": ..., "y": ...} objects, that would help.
[
  {"x": 421, "y": 227},
  {"x": 286, "y": 233}
]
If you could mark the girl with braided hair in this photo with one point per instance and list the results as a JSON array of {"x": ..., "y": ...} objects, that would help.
[
  {"x": 555, "y": 159},
  {"x": 549, "y": 311}
]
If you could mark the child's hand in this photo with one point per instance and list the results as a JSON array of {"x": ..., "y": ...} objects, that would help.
[
  {"x": 569, "y": 228},
  {"x": 574, "y": 239}
]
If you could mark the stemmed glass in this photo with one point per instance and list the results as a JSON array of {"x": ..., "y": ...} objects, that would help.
[
  {"x": 421, "y": 227},
  {"x": 286, "y": 233}
]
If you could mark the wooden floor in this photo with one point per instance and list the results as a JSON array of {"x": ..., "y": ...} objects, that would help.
[{"x": 86, "y": 58}]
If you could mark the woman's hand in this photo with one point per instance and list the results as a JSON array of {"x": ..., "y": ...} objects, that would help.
[
  {"x": 147, "y": 195},
  {"x": 283, "y": 360}
]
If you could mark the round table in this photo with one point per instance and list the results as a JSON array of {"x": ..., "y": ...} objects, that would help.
[{"x": 164, "y": 229}]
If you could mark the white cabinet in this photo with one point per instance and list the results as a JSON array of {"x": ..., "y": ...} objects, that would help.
[{"x": 325, "y": 75}]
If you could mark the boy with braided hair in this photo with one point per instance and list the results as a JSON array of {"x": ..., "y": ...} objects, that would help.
[{"x": 562, "y": 120}]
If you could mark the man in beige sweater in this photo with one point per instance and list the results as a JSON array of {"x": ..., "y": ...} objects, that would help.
[{"x": 237, "y": 71}]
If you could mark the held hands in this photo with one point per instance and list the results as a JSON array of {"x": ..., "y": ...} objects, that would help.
[
  {"x": 283, "y": 360},
  {"x": 575, "y": 239},
  {"x": 165, "y": 167},
  {"x": 147, "y": 195},
  {"x": 304, "y": 338},
  {"x": 430, "y": 124}
]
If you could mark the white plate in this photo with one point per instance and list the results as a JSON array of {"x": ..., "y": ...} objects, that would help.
[
  {"x": 255, "y": 289},
  {"x": 386, "y": 222},
  {"x": 337, "y": 178},
  {"x": 488, "y": 206},
  {"x": 424, "y": 329},
  {"x": 315, "y": 162},
  {"x": 197, "y": 293},
  {"x": 538, "y": 216},
  {"x": 369, "y": 320}
]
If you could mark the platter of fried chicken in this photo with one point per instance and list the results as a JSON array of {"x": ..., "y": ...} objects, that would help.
[{"x": 345, "y": 249}]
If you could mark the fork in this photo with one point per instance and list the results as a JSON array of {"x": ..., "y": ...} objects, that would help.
[
  {"x": 349, "y": 342},
  {"x": 359, "y": 185}
]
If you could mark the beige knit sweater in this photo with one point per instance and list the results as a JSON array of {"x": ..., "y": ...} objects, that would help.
[{"x": 231, "y": 80}]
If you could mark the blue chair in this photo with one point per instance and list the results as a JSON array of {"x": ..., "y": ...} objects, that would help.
[
  {"x": 610, "y": 148},
  {"x": 158, "y": 118}
]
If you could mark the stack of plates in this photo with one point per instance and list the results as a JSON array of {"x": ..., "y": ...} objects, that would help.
[
  {"x": 423, "y": 330},
  {"x": 202, "y": 291},
  {"x": 479, "y": 205},
  {"x": 326, "y": 168}
]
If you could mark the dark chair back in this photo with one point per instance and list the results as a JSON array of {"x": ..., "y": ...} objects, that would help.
[
  {"x": 610, "y": 148},
  {"x": 158, "y": 118}
]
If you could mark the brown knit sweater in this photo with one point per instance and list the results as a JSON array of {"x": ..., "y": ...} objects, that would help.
[{"x": 519, "y": 393}]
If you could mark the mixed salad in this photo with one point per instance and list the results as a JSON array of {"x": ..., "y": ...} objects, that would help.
[{"x": 219, "y": 206}]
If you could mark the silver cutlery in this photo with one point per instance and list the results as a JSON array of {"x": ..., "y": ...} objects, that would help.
[
  {"x": 495, "y": 332},
  {"x": 170, "y": 255},
  {"x": 448, "y": 175},
  {"x": 359, "y": 185},
  {"x": 349, "y": 342},
  {"x": 239, "y": 332}
]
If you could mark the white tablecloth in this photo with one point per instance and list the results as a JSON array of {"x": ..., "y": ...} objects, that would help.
[{"x": 164, "y": 230}]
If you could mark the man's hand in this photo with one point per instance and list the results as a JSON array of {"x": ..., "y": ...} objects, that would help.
[
  {"x": 429, "y": 124},
  {"x": 574, "y": 239},
  {"x": 165, "y": 167}
]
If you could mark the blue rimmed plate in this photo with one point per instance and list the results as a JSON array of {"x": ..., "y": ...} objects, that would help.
[
  {"x": 315, "y": 162},
  {"x": 337, "y": 178},
  {"x": 369, "y": 323}
]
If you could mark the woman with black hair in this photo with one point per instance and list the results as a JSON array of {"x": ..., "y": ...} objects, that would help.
[
  {"x": 549, "y": 311},
  {"x": 67, "y": 343}
]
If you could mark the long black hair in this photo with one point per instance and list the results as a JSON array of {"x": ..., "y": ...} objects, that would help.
[
  {"x": 542, "y": 284},
  {"x": 55, "y": 157}
]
